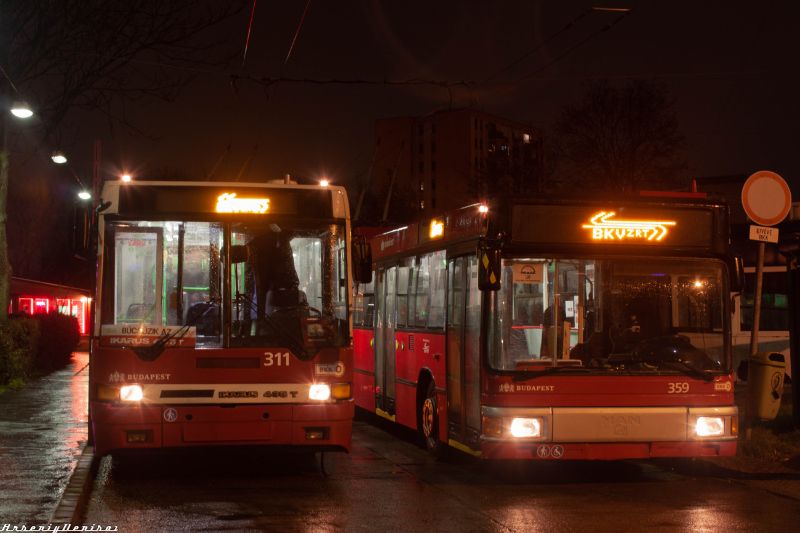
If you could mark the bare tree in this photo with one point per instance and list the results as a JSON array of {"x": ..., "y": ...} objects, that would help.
[
  {"x": 620, "y": 139},
  {"x": 99, "y": 55}
]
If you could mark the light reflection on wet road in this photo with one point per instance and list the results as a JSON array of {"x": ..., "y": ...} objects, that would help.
[
  {"x": 42, "y": 431},
  {"x": 388, "y": 484}
]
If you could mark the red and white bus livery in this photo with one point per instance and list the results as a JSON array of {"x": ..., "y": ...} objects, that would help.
[
  {"x": 221, "y": 317},
  {"x": 554, "y": 329}
]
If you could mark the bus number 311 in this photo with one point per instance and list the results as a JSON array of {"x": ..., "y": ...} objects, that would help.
[{"x": 277, "y": 359}]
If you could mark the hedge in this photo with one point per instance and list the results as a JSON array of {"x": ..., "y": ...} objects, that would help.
[{"x": 31, "y": 346}]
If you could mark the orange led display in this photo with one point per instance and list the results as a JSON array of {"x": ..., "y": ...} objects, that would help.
[
  {"x": 437, "y": 229},
  {"x": 229, "y": 203},
  {"x": 607, "y": 228}
]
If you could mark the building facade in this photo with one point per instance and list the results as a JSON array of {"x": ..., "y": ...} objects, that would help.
[{"x": 450, "y": 159}]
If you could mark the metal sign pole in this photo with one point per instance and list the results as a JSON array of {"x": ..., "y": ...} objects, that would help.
[{"x": 757, "y": 300}]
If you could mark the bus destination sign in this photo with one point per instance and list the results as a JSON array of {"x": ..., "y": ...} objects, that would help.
[
  {"x": 229, "y": 203},
  {"x": 632, "y": 225},
  {"x": 606, "y": 227},
  {"x": 173, "y": 200}
]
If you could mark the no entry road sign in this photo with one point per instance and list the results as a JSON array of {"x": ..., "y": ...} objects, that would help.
[{"x": 766, "y": 198}]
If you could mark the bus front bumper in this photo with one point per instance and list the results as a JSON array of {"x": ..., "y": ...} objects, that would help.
[
  {"x": 610, "y": 433},
  {"x": 123, "y": 427},
  {"x": 605, "y": 451}
]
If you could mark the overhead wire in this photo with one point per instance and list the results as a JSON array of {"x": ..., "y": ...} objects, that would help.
[
  {"x": 297, "y": 32},
  {"x": 538, "y": 47},
  {"x": 249, "y": 30},
  {"x": 574, "y": 47}
]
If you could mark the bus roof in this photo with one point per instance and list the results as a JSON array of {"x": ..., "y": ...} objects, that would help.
[
  {"x": 220, "y": 199},
  {"x": 692, "y": 224}
]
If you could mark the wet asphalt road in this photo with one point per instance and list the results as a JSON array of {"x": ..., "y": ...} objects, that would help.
[{"x": 389, "y": 484}]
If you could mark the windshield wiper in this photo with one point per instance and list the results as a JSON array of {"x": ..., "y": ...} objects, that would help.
[
  {"x": 154, "y": 351},
  {"x": 684, "y": 368},
  {"x": 548, "y": 370}
]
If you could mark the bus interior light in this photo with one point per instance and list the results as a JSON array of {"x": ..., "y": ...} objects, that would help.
[
  {"x": 526, "y": 427},
  {"x": 710, "y": 426},
  {"x": 131, "y": 393},
  {"x": 319, "y": 392}
]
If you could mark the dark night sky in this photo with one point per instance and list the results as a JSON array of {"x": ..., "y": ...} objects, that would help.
[{"x": 731, "y": 66}]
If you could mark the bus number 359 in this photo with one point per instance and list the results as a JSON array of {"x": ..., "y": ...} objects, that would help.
[
  {"x": 679, "y": 387},
  {"x": 282, "y": 359}
]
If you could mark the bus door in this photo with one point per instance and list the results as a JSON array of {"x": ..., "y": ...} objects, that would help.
[
  {"x": 463, "y": 351},
  {"x": 386, "y": 291}
]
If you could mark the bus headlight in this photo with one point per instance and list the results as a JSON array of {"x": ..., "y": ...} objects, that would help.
[
  {"x": 709, "y": 426},
  {"x": 131, "y": 393},
  {"x": 319, "y": 392},
  {"x": 526, "y": 428}
]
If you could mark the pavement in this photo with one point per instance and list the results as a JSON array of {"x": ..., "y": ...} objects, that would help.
[
  {"x": 43, "y": 430},
  {"x": 44, "y": 471}
]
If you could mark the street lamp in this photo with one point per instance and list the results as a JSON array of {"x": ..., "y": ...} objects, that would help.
[
  {"x": 58, "y": 158},
  {"x": 21, "y": 110},
  {"x": 126, "y": 178},
  {"x": 84, "y": 195},
  {"x": 324, "y": 182}
]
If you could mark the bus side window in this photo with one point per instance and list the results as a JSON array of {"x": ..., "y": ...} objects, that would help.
[
  {"x": 421, "y": 291},
  {"x": 438, "y": 288},
  {"x": 364, "y": 304},
  {"x": 402, "y": 294}
]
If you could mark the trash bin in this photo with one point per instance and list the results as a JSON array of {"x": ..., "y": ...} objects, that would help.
[{"x": 765, "y": 384}]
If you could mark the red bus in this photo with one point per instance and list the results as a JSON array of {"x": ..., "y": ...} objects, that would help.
[
  {"x": 221, "y": 317},
  {"x": 554, "y": 329}
]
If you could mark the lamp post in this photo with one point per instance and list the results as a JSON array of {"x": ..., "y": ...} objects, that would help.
[{"x": 21, "y": 111}]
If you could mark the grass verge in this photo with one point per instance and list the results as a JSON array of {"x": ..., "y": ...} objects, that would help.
[{"x": 775, "y": 440}]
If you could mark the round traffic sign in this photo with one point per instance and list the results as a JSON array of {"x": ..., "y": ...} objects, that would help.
[{"x": 766, "y": 198}]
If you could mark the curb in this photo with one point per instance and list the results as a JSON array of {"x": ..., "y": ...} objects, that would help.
[{"x": 73, "y": 501}]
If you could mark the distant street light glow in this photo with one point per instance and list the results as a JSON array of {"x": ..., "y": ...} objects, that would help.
[
  {"x": 324, "y": 182},
  {"x": 58, "y": 158},
  {"x": 21, "y": 110},
  {"x": 126, "y": 178},
  {"x": 83, "y": 195}
]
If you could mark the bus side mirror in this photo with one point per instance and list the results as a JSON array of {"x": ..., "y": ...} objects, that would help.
[
  {"x": 489, "y": 266},
  {"x": 737, "y": 274},
  {"x": 361, "y": 255}
]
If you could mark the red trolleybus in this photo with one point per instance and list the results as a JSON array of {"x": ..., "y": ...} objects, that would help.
[
  {"x": 222, "y": 316},
  {"x": 554, "y": 329}
]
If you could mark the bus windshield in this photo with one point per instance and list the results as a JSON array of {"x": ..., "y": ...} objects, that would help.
[
  {"x": 635, "y": 315},
  {"x": 284, "y": 284}
]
